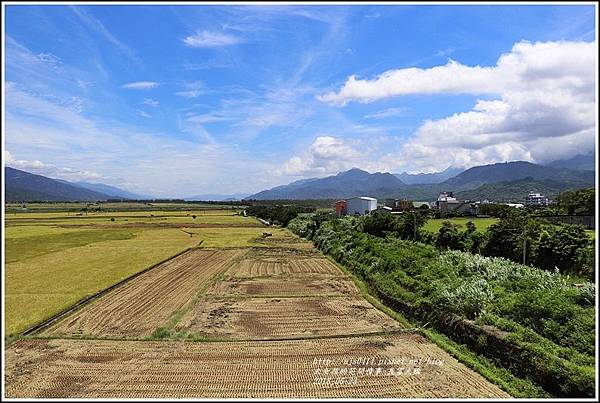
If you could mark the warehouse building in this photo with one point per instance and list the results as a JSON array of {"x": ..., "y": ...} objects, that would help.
[{"x": 360, "y": 205}]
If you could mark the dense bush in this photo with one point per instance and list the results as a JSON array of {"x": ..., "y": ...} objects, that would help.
[
  {"x": 510, "y": 236},
  {"x": 449, "y": 236},
  {"x": 560, "y": 246},
  {"x": 379, "y": 224},
  {"x": 577, "y": 202},
  {"x": 550, "y": 320}
]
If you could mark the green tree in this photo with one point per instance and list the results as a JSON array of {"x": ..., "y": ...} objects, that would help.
[
  {"x": 409, "y": 223},
  {"x": 514, "y": 238},
  {"x": 577, "y": 202},
  {"x": 378, "y": 224},
  {"x": 561, "y": 246},
  {"x": 449, "y": 237}
]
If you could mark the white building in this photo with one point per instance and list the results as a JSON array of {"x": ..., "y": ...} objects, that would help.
[
  {"x": 536, "y": 198},
  {"x": 360, "y": 205}
]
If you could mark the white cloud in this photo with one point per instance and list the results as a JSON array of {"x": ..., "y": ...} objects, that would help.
[
  {"x": 388, "y": 113},
  {"x": 145, "y": 115},
  {"x": 189, "y": 93},
  {"x": 545, "y": 97},
  {"x": 96, "y": 25},
  {"x": 151, "y": 102},
  {"x": 208, "y": 118},
  {"x": 141, "y": 85},
  {"x": 208, "y": 39},
  {"x": 326, "y": 155},
  {"x": 38, "y": 167},
  {"x": 193, "y": 89}
]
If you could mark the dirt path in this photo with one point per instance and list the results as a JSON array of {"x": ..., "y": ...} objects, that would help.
[{"x": 282, "y": 322}]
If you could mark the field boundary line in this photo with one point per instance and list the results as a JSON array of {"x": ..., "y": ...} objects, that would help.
[
  {"x": 54, "y": 318},
  {"x": 414, "y": 330}
]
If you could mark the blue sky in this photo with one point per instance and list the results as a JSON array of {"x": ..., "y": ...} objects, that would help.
[{"x": 182, "y": 100}]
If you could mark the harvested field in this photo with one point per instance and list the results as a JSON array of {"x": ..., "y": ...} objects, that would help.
[
  {"x": 287, "y": 241},
  {"x": 283, "y": 318},
  {"x": 283, "y": 286},
  {"x": 275, "y": 266},
  {"x": 142, "y": 305},
  {"x": 165, "y": 225},
  {"x": 276, "y": 369}
]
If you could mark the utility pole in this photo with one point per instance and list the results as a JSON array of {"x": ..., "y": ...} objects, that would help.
[
  {"x": 415, "y": 226},
  {"x": 525, "y": 245}
]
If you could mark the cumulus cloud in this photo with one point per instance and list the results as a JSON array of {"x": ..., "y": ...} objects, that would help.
[
  {"x": 545, "y": 97},
  {"x": 209, "y": 39},
  {"x": 141, "y": 85},
  {"x": 326, "y": 155}
]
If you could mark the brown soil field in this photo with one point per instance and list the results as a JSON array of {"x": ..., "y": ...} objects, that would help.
[
  {"x": 268, "y": 369},
  {"x": 142, "y": 305},
  {"x": 283, "y": 286},
  {"x": 283, "y": 318}
]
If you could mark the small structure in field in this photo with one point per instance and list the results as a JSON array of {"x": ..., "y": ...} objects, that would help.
[
  {"x": 340, "y": 207},
  {"x": 383, "y": 210}
]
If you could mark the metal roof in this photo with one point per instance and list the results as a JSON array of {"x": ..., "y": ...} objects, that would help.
[{"x": 362, "y": 198}]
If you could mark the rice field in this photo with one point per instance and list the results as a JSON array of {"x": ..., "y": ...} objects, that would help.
[{"x": 232, "y": 315}]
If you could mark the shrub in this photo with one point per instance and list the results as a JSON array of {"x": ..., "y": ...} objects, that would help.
[{"x": 469, "y": 299}]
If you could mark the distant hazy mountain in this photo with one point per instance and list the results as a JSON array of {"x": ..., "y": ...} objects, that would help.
[
  {"x": 24, "y": 186},
  {"x": 216, "y": 197},
  {"x": 421, "y": 178},
  {"x": 111, "y": 190},
  {"x": 517, "y": 191},
  {"x": 580, "y": 161},
  {"x": 354, "y": 182}
]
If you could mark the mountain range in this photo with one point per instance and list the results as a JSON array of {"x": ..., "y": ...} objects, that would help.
[
  {"x": 501, "y": 181},
  {"x": 581, "y": 161},
  {"x": 422, "y": 178},
  {"x": 25, "y": 186},
  {"x": 509, "y": 180}
]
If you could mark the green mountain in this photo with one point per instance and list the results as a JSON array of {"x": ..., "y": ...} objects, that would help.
[
  {"x": 422, "y": 179},
  {"x": 580, "y": 161},
  {"x": 474, "y": 177},
  {"x": 517, "y": 191},
  {"x": 354, "y": 182},
  {"x": 384, "y": 185},
  {"x": 24, "y": 186}
]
